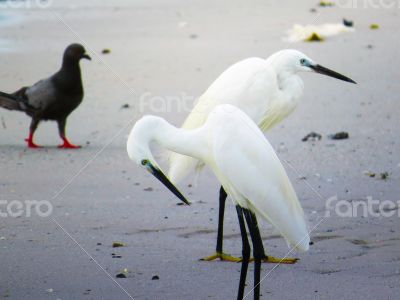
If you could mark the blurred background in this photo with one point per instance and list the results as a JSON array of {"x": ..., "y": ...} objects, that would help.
[{"x": 157, "y": 57}]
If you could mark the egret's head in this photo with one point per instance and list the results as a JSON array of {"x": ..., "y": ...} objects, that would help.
[
  {"x": 140, "y": 137},
  {"x": 294, "y": 61},
  {"x": 138, "y": 148}
]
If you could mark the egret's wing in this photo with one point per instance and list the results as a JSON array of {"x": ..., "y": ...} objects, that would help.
[
  {"x": 245, "y": 85},
  {"x": 252, "y": 86},
  {"x": 251, "y": 171},
  {"x": 274, "y": 113}
]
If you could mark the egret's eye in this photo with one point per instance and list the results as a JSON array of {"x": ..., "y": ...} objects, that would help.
[
  {"x": 144, "y": 162},
  {"x": 303, "y": 61}
]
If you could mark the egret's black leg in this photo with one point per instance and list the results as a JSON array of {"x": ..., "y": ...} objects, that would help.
[
  {"x": 219, "y": 249},
  {"x": 258, "y": 249},
  {"x": 220, "y": 236},
  {"x": 245, "y": 253},
  {"x": 258, "y": 235}
]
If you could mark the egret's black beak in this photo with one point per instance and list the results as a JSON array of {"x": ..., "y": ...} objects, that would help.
[
  {"x": 322, "y": 70},
  {"x": 160, "y": 176},
  {"x": 86, "y": 56}
]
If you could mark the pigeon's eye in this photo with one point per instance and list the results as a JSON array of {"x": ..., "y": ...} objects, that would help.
[
  {"x": 303, "y": 61},
  {"x": 144, "y": 162}
]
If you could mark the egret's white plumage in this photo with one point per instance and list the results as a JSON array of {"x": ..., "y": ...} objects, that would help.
[
  {"x": 250, "y": 171},
  {"x": 232, "y": 145},
  {"x": 267, "y": 90}
]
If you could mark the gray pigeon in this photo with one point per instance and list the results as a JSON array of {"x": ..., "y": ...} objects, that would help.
[{"x": 53, "y": 98}]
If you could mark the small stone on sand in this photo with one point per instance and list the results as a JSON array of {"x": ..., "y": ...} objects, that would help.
[
  {"x": 118, "y": 244},
  {"x": 313, "y": 136},
  {"x": 339, "y": 136}
]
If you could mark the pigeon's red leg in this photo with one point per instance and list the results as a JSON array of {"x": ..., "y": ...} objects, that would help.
[
  {"x": 31, "y": 144},
  {"x": 32, "y": 129},
  {"x": 67, "y": 144},
  {"x": 61, "y": 130}
]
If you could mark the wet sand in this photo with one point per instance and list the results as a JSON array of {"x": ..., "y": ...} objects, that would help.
[{"x": 98, "y": 196}]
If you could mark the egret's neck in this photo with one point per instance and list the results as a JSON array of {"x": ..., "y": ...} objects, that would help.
[
  {"x": 291, "y": 84},
  {"x": 182, "y": 141},
  {"x": 288, "y": 81}
]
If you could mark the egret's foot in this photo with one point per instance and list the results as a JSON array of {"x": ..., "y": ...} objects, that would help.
[
  {"x": 31, "y": 144},
  {"x": 276, "y": 260},
  {"x": 222, "y": 256}
]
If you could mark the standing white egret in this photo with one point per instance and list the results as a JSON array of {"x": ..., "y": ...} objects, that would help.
[
  {"x": 232, "y": 145},
  {"x": 267, "y": 90}
]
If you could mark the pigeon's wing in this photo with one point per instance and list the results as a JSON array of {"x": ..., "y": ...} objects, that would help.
[{"x": 42, "y": 94}]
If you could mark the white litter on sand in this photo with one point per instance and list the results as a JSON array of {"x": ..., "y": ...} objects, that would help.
[{"x": 300, "y": 33}]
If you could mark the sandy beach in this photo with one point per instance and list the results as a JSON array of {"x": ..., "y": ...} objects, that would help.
[{"x": 164, "y": 54}]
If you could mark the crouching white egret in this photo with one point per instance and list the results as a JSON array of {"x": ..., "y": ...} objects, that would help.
[
  {"x": 232, "y": 145},
  {"x": 267, "y": 90}
]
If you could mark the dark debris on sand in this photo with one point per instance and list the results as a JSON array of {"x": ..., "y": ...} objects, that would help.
[{"x": 312, "y": 136}]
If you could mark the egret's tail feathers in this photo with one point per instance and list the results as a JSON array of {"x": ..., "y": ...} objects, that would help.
[
  {"x": 180, "y": 166},
  {"x": 299, "y": 238},
  {"x": 291, "y": 225}
]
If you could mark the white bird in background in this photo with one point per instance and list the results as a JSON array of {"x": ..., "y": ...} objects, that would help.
[
  {"x": 246, "y": 165},
  {"x": 267, "y": 90}
]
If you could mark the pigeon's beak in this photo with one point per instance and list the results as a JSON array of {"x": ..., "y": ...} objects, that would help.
[
  {"x": 86, "y": 56},
  {"x": 160, "y": 176},
  {"x": 322, "y": 70}
]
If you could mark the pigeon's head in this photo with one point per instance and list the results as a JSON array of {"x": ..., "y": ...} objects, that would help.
[
  {"x": 293, "y": 61},
  {"x": 75, "y": 52}
]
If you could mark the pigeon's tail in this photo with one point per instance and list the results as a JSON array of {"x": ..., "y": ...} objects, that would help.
[
  {"x": 9, "y": 101},
  {"x": 14, "y": 102}
]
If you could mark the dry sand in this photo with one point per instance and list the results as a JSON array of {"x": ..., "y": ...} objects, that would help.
[{"x": 177, "y": 48}]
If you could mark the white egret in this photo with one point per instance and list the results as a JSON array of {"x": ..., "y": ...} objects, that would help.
[
  {"x": 267, "y": 90},
  {"x": 232, "y": 145}
]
